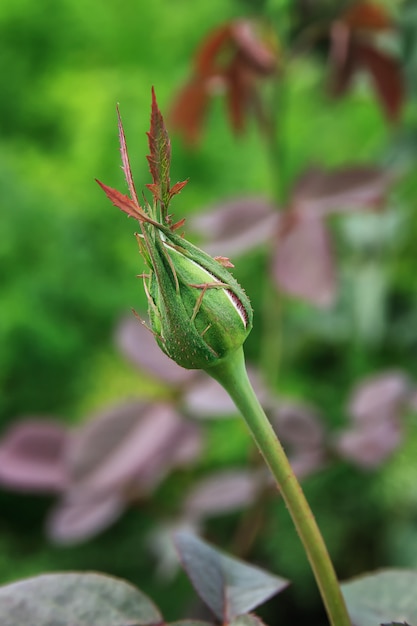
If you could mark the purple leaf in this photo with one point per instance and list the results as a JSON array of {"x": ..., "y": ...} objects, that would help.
[
  {"x": 228, "y": 586},
  {"x": 379, "y": 396},
  {"x": 206, "y": 398},
  {"x": 223, "y": 492},
  {"x": 32, "y": 456},
  {"x": 236, "y": 226},
  {"x": 300, "y": 429},
  {"x": 80, "y": 516},
  {"x": 76, "y": 599},
  {"x": 138, "y": 344},
  {"x": 303, "y": 264},
  {"x": 132, "y": 445},
  {"x": 298, "y": 425},
  {"x": 368, "y": 447},
  {"x": 319, "y": 192}
]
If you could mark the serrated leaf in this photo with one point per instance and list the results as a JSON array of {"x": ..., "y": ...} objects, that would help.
[
  {"x": 125, "y": 159},
  {"x": 75, "y": 598},
  {"x": 385, "y": 596},
  {"x": 228, "y": 586},
  {"x": 159, "y": 158}
]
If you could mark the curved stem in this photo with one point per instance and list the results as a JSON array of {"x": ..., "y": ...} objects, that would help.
[{"x": 232, "y": 375}]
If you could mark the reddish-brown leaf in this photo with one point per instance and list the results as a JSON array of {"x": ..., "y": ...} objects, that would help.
[
  {"x": 206, "y": 58},
  {"x": 159, "y": 158},
  {"x": 261, "y": 58},
  {"x": 189, "y": 109},
  {"x": 387, "y": 76},
  {"x": 342, "y": 61},
  {"x": 125, "y": 204},
  {"x": 125, "y": 160},
  {"x": 367, "y": 16},
  {"x": 177, "y": 188},
  {"x": 237, "y": 96}
]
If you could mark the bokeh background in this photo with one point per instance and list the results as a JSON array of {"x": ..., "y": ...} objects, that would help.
[{"x": 68, "y": 262}]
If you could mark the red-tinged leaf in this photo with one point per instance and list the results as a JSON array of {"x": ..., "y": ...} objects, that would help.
[
  {"x": 224, "y": 261},
  {"x": 178, "y": 224},
  {"x": 367, "y": 16},
  {"x": 387, "y": 77},
  {"x": 159, "y": 158},
  {"x": 177, "y": 188},
  {"x": 303, "y": 265},
  {"x": 125, "y": 204},
  {"x": 189, "y": 109},
  {"x": 341, "y": 59},
  {"x": 258, "y": 56},
  {"x": 239, "y": 92},
  {"x": 125, "y": 160},
  {"x": 206, "y": 58}
]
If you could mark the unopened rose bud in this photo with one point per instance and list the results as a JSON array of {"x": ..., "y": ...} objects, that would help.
[{"x": 197, "y": 310}]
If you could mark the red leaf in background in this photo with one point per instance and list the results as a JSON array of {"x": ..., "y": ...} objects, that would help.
[
  {"x": 238, "y": 94},
  {"x": 342, "y": 60},
  {"x": 387, "y": 77},
  {"x": 189, "y": 109},
  {"x": 368, "y": 16},
  {"x": 232, "y": 58},
  {"x": 259, "y": 56},
  {"x": 206, "y": 58},
  {"x": 159, "y": 158},
  {"x": 303, "y": 265}
]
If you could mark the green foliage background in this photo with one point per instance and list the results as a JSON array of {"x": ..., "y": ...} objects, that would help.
[{"x": 68, "y": 264}]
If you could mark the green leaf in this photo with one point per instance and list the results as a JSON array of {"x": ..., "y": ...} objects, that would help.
[
  {"x": 228, "y": 586},
  {"x": 75, "y": 599},
  {"x": 385, "y": 596}
]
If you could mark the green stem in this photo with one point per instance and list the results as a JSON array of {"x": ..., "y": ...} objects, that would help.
[{"x": 232, "y": 375}]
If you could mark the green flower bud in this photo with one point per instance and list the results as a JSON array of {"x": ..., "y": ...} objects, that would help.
[
  {"x": 197, "y": 310},
  {"x": 198, "y": 313}
]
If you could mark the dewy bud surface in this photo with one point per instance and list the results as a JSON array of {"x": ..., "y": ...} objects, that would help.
[{"x": 198, "y": 312}]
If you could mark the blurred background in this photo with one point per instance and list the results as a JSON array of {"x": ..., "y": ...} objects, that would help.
[{"x": 295, "y": 123}]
